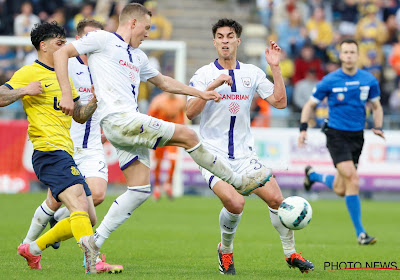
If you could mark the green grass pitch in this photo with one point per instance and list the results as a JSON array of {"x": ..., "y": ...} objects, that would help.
[{"x": 178, "y": 240}]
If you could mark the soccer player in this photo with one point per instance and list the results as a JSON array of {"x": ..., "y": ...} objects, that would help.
[
  {"x": 48, "y": 130},
  {"x": 348, "y": 89},
  {"x": 171, "y": 108},
  {"x": 225, "y": 130},
  {"x": 88, "y": 153},
  {"x": 117, "y": 66}
]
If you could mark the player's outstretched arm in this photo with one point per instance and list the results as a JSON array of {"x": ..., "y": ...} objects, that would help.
[
  {"x": 305, "y": 117},
  {"x": 171, "y": 85},
  {"x": 8, "y": 96},
  {"x": 196, "y": 105},
  {"x": 377, "y": 112},
  {"x": 61, "y": 57},
  {"x": 82, "y": 113},
  {"x": 272, "y": 56}
]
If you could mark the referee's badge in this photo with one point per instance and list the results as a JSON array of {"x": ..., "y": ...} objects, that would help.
[
  {"x": 246, "y": 82},
  {"x": 340, "y": 96}
]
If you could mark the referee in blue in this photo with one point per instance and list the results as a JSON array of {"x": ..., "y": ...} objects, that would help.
[{"x": 348, "y": 89}]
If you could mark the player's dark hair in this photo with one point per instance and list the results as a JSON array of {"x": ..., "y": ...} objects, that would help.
[
  {"x": 88, "y": 22},
  {"x": 44, "y": 31},
  {"x": 229, "y": 23},
  {"x": 349, "y": 41}
]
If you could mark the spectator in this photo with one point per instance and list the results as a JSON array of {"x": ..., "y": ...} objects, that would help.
[
  {"x": 264, "y": 9},
  {"x": 7, "y": 62},
  {"x": 320, "y": 33},
  {"x": 87, "y": 11},
  {"x": 371, "y": 33},
  {"x": 25, "y": 21},
  {"x": 286, "y": 7},
  {"x": 292, "y": 34},
  {"x": 306, "y": 61},
  {"x": 394, "y": 100},
  {"x": 161, "y": 27},
  {"x": 303, "y": 90}
]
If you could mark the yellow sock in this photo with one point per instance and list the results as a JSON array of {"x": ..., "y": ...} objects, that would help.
[
  {"x": 60, "y": 232},
  {"x": 80, "y": 224}
]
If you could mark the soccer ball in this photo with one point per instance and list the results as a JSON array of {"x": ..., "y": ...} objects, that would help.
[{"x": 295, "y": 212}]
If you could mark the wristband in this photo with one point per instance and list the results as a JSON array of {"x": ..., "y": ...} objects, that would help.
[{"x": 303, "y": 126}]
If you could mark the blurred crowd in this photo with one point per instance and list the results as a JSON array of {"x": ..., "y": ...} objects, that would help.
[{"x": 310, "y": 31}]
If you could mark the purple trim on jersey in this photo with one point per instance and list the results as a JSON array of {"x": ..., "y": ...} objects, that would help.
[
  {"x": 230, "y": 143},
  {"x": 87, "y": 132},
  {"x": 10, "y": 87},
  {"x": 119, "y": 36},
  {"x": 80, "y": 60},
  {"x": 232, "y": 74},
  {"x": 209, "y": 181},
  {"x": 216, "y": 63},
  {"x": 45, "y": 211},
  {"x": 129, "y": 53},
  {"x": 139, "y": 191},
  {"x": 157, "y": 142},
  {"x": 90, "y": 76},
  {"x": 44, "y": 65},
  {"x": 126, "y": 165},
  {"x": 116, "y": 201}
]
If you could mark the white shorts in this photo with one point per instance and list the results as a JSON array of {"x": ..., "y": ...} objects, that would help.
[
  {"x": 237, "y": 165},
  {"x": 91, "y": 162},
  {"x": 133, "y": 134}
]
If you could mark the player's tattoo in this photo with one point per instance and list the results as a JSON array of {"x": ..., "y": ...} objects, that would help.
[
  {"x": 83, "y": 113},
  {"x": 8, "y": 96}
]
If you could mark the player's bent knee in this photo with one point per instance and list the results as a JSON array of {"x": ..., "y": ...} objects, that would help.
[
  {"x": 98, "y": 198},
  {"x": 235, "y": 205},
  {"x": 275, "y": 201}
]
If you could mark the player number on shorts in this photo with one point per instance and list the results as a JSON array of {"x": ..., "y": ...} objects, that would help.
[{"x": 104, "y": 166}]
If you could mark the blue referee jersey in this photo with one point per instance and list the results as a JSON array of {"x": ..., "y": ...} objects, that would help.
[{"x": 347, "y": 96}]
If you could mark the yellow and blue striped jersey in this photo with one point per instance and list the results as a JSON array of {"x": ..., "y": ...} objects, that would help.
[{"x": 48, "y": 126}]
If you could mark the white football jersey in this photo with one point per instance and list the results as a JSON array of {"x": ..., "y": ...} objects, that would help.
[
  {"x": 225, "y": 126},
  {"x": 116, "y": 69},
  {"x": 87, "y": 135}
]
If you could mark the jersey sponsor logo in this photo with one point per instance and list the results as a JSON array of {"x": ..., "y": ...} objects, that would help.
[
  {"x": 353, "y": 83},
  {"x": 340, "y": 96},
  {"x": 155, "y": 124},
  {"x": 364, "y": 92},
  {"x": 83, "y": 89},
  {"x": 132, "y": 77},
  {"x": 48, "y": 85},
  {"x": 129, "y": 65},
  {"x": 235, "y": 96},
  {"x": 246, "y": 82},
  {"x": 75, "y": 171},
  {"x": 339, "y": 89},
  {"x": 234, "y": 108}
]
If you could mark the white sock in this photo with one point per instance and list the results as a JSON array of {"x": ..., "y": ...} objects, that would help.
[
  {"x": 213, "y": 164},
  {"x": 34, "y": 248},
  {"x": 39, "y": 222},
  {"x": 120, "y": 211},
  {"x": 228, "y": 223},
  {"x": 286, "y": 235},
  {"x": 61, "y": 214}
]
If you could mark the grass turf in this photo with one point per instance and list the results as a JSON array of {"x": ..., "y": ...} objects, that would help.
[{"x": 178, "y": 240}]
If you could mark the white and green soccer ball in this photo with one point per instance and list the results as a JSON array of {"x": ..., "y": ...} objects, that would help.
[{"x": 295, "y": 212}]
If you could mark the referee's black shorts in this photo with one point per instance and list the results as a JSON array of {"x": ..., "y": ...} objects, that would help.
[{"x": 344, "y": 145}]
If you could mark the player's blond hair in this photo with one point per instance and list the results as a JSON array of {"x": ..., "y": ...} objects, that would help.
[{"x": 133, "y": 10}]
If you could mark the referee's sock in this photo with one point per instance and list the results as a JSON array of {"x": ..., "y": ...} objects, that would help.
[
  {"x": 325, "y": 179},
  {"x": 353, "y": 204}
]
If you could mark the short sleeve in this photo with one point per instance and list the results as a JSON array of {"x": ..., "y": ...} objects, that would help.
[
  {"x": 198, "y": 81},
  {"x": 91, "y": 42},
  {"x": 374, "y": 91},
  {"x": 264, "y": 86},
  {"x": 21, "y": 78},
  {"x": 147, "y": 71},
  {"x": 320, "y": 91}
]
